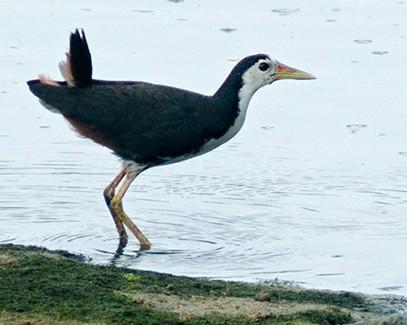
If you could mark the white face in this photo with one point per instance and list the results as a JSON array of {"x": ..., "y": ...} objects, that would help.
[{"x": 260, "y": 74}]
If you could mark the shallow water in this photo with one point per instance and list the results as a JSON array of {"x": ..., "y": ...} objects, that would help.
[{"x": 312, "y": 190}]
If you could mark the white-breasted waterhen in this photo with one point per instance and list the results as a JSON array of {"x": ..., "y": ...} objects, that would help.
[{"x": 147, "y": 124}]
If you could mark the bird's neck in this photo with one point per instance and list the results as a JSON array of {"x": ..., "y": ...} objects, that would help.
[
  {"x": 229, "y": 90},
  {"x": 235, "y": 95}
]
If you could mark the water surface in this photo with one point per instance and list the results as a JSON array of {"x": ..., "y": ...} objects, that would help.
[{"x": 312, "y": 190}]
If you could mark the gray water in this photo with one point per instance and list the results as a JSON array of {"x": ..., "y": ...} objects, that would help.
[{"x": 312, "y": 190}]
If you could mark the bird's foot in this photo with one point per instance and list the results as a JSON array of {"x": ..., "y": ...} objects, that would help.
[
  {"x": 145, "y": 246},
  {"x": 123, "y": 239}
]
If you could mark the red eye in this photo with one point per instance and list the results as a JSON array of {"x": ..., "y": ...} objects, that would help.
[{"x": 263, "y": 66}]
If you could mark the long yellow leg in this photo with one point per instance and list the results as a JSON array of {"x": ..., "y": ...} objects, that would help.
[
  {"x": 116, "y": 207},
  {"x": 108, "y": 193}
]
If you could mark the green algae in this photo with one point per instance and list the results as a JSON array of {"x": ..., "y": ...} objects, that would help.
[{"x": 47, "y": 287}]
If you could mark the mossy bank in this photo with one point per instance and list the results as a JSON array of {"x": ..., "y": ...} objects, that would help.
[{"x": 42, "y": 287}]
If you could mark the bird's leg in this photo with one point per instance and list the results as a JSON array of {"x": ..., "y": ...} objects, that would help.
[
  {"x": 108, "y": 193},
  {"x": 117, "y": 207}
]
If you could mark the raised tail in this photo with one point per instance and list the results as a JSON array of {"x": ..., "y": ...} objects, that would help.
[{"x": 77, "y": 69}]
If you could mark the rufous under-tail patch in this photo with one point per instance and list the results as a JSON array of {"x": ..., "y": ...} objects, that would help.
[{"x": 89, "y": 132}]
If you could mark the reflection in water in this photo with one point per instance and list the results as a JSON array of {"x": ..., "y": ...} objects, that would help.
[
  {"x": 363, "y": 41},
  {"x": 286, "y": 11},
  {"x": 228, "y": 30},
  {"x": 142, "y": 11},
  {"x": 380, "y": 52},
  {"x": 356, "y": 127}
]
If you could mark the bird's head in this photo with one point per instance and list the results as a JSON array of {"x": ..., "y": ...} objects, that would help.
[
  {"x": 260, "y": 70},
  {"x": 256, "y": 71}
]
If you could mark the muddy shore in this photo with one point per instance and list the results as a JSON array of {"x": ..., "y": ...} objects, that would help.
[{"x": 38, "y": 286}]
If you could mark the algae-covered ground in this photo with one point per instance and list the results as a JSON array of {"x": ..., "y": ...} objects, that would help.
[{"x": 42, "y": 287}]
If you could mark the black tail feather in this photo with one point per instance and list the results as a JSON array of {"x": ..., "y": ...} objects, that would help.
[{"x": 80, "y": 60}]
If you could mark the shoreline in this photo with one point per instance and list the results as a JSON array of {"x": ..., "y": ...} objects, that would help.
[{"x": 39, "y": 286}]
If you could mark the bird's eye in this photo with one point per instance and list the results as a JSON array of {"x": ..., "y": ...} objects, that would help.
[{"x": 263, "y": 66}]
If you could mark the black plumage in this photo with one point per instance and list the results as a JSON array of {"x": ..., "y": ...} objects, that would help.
[
  {"x": 144, "y": 122},
  {"x": 149, "y": 124}
]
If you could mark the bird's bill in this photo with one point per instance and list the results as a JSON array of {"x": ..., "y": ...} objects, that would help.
[{"x": 286, "y": 72}]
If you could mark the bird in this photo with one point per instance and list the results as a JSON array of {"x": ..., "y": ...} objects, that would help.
[{"x": 146, "y": 124}]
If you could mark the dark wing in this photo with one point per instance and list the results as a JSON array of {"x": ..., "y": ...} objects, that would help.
[{"x": 142, "y": 122}]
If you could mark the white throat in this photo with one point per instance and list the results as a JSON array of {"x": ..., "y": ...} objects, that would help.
[
  {"x": 249, "y": 87},
  {"x": 244, "y": 96}
]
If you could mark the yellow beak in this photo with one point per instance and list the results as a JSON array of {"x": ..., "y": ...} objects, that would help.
[{"x": 286, "y": 72}]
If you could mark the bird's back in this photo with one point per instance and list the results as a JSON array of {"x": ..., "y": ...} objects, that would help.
[{"x": 140, "y": 121}]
